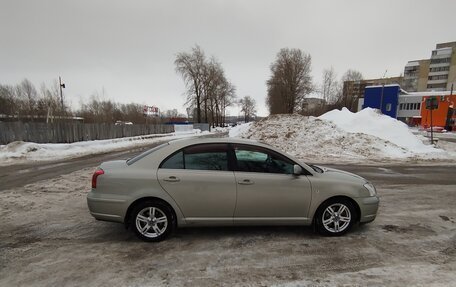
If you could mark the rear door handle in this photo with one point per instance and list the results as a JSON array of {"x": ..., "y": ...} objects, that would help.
[
  {"x": 172, "y": 179},
  {"x": 246, "y": 182}
]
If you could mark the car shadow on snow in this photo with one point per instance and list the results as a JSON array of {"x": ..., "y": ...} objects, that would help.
[
  {"x": 259, "y": 231},
  {"x": 113, "y": 232}
]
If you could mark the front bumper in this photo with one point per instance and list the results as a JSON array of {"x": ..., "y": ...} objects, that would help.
[{"x": 368, "y": 207}]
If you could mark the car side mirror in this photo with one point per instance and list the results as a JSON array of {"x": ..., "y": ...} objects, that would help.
[{"x": 297, "y": 170}]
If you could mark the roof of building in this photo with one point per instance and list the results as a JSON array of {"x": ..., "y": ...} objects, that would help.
[
  {"x": 379, "y": 86},
  {"x": 429, "y": 93}
]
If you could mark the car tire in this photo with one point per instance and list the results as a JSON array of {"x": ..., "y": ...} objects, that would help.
[
  {"x": 335, "y": 217},
  {"x": 152, "y": 221}
]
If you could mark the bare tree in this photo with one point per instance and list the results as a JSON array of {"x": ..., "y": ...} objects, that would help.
[
  {"x": 212, "y": 80},
  {"x": 227, "y": 97},
  {"x": 208, "y": 90},
  {"x": 349, "y": 98},
  {"x": 248, "y": 107},
  {"x": 174, "y": 113},
  {"x": 290, "y": 81},
  {"x": 49, "y": 103},
  {"x": 8, "y": 102},
  {"x": 191, "y": 68},
  {"x": 330, "y": 88},
  {"x": 27, "y": 96}
]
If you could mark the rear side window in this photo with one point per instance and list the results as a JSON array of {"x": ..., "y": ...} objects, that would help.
[
  {"x": 144, "y": 154},
  {"x": 199, "y": 157},
  {"x": 174, "y": 162}
]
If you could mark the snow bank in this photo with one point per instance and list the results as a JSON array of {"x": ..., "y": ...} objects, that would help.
[
  {"x": 239, "y": 130},
  {"x": 19, "y": 152},
  {"x": 342, "y": 136},
  {"x": 371, "y": 122}
]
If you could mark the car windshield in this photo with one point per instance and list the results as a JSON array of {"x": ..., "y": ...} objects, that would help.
[{"x": 132, "y": 160}]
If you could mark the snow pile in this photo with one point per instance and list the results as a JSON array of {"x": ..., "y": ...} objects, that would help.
[
  {"x": 18, "y": 152},
  {"x": 341, "y": 136},
  {"x": 371, "y": 122},
  {"x": 239, "y": 130}
]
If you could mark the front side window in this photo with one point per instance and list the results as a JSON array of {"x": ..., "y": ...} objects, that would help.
[{"x": 253, "y": 159}]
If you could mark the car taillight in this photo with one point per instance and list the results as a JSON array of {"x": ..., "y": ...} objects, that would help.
[{"x": 94, "y": 177}]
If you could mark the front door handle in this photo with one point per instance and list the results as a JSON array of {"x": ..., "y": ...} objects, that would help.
[
  {"x": 172, "y": 179},
  {"x": 246, "y": 182}
]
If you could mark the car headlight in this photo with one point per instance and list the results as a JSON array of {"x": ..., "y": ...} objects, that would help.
[{"x": 371, "y": 188}]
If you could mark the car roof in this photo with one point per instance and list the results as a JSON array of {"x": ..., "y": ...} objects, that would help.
[
  {"x": 177, "y": 144},
  {"x": 203, "y": 140}
]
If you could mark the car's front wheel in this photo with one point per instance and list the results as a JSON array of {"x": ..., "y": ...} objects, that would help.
[
  {"x": 335, "y": 217},
  {"x": 152, "y": 221}
]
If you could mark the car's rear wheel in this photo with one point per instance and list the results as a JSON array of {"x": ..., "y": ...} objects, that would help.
[
  {"x": 335, "y": 217},
  {"x": 152, "y": 220}
]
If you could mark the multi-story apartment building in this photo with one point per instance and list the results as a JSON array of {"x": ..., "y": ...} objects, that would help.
[
  {"x": 416, "y": 75},
  {"x": 435, "y": 74}
]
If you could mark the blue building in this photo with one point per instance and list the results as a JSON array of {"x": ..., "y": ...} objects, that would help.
[{"x": 383, "y": 97}]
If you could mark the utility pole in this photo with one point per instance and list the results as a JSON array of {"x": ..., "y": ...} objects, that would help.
[
  {"x": 383, "y": 87},
  {"x": 432, "y": 131},
  {"x": 61, "y": 92},
  {"x": 449, "y": 115}
]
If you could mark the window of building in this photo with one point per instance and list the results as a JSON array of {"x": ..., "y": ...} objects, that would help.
[
  {"x": 439, "y": 77},
  {"x": 436, "y": 86},
  {"x": 439, "y": 69},
  {"x": 418, "y": 106},
  {"x": 440, "y": 60},
  {"x": 400, "y": 106}
]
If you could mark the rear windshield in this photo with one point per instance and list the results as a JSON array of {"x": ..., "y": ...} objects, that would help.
[{"x": 144, "y": 154}]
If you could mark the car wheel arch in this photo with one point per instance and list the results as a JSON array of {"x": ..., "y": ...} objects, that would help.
[
  {"x": 127, "y": 219},
  {"x": 351, "y": 200}
]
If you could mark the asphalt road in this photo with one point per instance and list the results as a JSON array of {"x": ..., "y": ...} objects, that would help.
[
  {"x": 20, "y": 175},
  {"x": 48, "y": 238}
]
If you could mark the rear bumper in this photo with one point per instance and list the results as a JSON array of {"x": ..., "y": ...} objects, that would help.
[
  {"x": 106, "y": 208},
  {"x": 368, "y": 207}
]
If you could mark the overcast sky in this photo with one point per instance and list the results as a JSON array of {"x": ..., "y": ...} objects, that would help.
[{"x": 128, "y": 48}]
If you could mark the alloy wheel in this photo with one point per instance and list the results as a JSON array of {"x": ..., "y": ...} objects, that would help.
[
  {"x": 151, "y": 222},
  {"x": 336, "y": 218}
]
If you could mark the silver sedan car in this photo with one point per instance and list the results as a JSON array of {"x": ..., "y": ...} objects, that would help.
[{"x": 225, "y": 182}]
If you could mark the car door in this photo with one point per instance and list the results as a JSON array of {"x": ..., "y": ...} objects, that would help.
[
  {"x": 267, "y": 190},
  {"x": 202, "y": 184}
]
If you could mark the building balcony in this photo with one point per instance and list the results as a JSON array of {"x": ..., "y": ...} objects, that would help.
[
  {"x": 440, "y": 73},
  {"x": 439, "y": 65},
  {"x": 443, "y": 81}
]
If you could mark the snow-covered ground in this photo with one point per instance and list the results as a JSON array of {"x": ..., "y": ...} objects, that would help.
[
  {"x": 341, "y": 135},
  {"x": 20, "y": 152}
]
